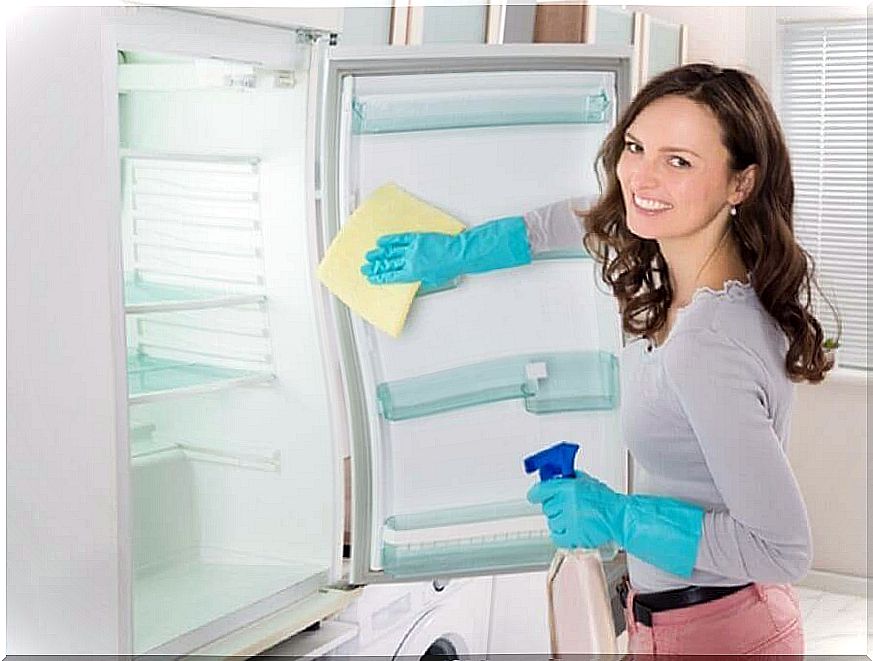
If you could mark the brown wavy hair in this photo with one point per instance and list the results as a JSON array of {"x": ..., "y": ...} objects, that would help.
[{"x": 781, "y": 270}]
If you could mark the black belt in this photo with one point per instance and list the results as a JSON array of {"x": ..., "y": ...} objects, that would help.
[{"x": 655, "y": 602}]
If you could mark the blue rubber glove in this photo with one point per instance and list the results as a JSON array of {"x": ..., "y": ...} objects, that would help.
[
  {"x": 585, "y": 513},
  {"x": 434, "y": 258}
]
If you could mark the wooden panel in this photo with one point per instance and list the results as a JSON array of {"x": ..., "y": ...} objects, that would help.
[{"x": 559, "y": 23}]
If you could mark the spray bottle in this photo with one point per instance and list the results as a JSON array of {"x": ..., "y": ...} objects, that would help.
[{"x": 580, "y": 616}]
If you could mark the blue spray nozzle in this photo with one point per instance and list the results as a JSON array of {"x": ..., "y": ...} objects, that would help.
[{"x": 556, "y": 461}]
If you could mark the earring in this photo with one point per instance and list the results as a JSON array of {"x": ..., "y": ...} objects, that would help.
[{"x": 733, "y": 211}]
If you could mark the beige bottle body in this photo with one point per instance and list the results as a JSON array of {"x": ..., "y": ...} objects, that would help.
[{"x": 580, "y": 614}]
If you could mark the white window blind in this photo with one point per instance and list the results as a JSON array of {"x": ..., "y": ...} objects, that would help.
[{"x": 823, "y": 110}]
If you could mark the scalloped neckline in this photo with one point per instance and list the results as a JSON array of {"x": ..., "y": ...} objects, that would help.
[{"x": 727, "y": 290}]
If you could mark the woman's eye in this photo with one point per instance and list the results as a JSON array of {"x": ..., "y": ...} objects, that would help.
[{"x": 635, "y": 148}]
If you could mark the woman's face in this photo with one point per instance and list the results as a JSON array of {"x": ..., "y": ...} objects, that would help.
[{"x": 673, "y": 170}]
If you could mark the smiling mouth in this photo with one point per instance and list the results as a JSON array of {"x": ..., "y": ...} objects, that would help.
[{"x": 650, "y": 206}]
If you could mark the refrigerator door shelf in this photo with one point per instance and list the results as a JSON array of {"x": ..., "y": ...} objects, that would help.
[
  {"x": 394, "y": 113},
  {"x": 499, "y": 537},
  {"x": 548, "y": 383},
  {"x": 467, "y": 557}
]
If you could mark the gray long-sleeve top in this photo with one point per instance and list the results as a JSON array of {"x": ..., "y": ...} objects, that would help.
[{"x": 706, "y": 419}]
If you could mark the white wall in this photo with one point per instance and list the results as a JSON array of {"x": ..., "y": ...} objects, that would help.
[
  {"x": 728, "y": 22},
  {"x": 828, "y": 451},
  {"x": 322, "y": 18}
]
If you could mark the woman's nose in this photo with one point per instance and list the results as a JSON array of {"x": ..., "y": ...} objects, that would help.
[{"x": 643, "y": 175}]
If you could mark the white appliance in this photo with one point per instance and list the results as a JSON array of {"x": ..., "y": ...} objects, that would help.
[
  {"x": 240, "y": 384},
  {"x": 433, "y": 618}
]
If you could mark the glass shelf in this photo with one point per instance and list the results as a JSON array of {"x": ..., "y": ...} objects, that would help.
[
  {"x": 504, "y": 536},
  {"x": 548, "y": 383},
  {"x": 178, "y": 597},
  {"x": 143, "y": 297},
  {"x": 150, "y": 378},
  {"x": 394, "y": 113}
]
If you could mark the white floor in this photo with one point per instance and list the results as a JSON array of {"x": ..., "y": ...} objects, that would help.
[{"x": 834, "y": 623}]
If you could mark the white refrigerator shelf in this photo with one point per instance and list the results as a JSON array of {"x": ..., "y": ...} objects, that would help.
[{"x": 184, "y": 596}]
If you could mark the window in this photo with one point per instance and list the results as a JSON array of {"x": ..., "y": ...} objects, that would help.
[{"x": 824, "y": 115}]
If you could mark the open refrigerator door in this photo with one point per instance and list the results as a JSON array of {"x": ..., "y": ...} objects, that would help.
[{"x": 500, "y": 364}]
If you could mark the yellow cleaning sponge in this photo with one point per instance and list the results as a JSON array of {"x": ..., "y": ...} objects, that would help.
[{"x": 388, "y": 210}]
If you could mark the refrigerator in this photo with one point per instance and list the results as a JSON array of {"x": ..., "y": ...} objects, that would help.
[{"x": 238, "y": 151}]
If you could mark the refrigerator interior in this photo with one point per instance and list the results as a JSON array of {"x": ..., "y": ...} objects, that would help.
[
  {"x": 233, "y": 471},
  {"x": 505, "y": 363}
]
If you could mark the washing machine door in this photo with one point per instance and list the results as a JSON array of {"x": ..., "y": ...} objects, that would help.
[{"x": 432, "y": 637}]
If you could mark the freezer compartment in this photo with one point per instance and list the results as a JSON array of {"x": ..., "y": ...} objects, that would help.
[
  {"x": 392, "y": 113},
  {"x": 503, "y": 536},
  {"x": 548, "y": 383}
]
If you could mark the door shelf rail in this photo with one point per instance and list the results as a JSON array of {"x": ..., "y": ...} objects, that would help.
[
  {"x": 547, "y": 382},
  {"x": 150, "y": 378},
  {"x": 505, "y": 536},
  {"x": 394, "y": 113}
]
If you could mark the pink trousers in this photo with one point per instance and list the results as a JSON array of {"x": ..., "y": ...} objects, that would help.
[{"x": 760, "y": 619}]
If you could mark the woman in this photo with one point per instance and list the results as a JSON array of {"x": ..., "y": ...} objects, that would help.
[{"x": 694, "y": 235}]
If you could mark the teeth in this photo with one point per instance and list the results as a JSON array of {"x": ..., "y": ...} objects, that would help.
[{"x": 650, "y": 204}]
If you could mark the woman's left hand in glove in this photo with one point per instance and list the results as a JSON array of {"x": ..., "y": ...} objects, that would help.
[{"x": 583, "y": 512}]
